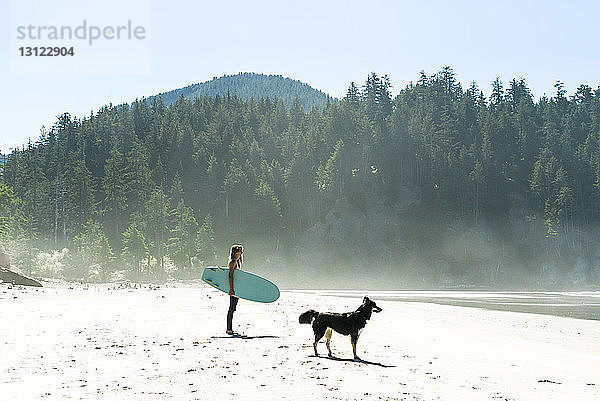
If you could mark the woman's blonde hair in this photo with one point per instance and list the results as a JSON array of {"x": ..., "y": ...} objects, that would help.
[{"x": 234, "y": 250}]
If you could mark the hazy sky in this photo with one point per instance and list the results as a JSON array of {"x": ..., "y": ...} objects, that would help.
[{"x": 326, "y": 44}]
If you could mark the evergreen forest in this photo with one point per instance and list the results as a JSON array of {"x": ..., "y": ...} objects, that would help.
[{"x": 438, "y": 186}]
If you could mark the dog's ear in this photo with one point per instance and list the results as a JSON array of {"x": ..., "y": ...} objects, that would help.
[{"x": 365, "y": 300}]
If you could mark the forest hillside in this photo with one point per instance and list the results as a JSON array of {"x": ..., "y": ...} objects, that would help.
[{"x": 439, "y": 186}]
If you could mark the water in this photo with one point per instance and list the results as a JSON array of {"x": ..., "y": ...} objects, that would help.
[{"x": 578, "y": 305}]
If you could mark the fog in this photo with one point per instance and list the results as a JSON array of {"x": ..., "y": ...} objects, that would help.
[
  {"x": 398, "y": 247},
  {"x": 377, "y": 247}
]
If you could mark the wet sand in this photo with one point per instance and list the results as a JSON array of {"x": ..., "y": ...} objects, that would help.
[
  {"x": 108, "y": 342},
  {"x": 575, "y": 304}
]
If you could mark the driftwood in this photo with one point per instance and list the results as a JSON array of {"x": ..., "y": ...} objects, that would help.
[{"x": 9, "y": 275}]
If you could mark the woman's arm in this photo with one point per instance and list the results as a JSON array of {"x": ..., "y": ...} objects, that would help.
[{"x": 231, "y": 269}]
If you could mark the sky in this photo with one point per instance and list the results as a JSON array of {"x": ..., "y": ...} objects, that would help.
[{"x": 326, "y": 44}]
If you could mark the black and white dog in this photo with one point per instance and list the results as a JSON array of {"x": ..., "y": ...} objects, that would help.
[{"x": 348, "y": 324}]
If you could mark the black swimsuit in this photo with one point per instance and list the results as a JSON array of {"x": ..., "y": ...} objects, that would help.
[{"x": 233, "y": 300}]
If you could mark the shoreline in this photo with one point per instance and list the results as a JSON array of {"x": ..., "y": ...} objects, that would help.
[{"x": 584, "y": 305}]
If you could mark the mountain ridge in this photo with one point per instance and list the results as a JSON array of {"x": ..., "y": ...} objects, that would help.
[{"x": 247, "y": 85}]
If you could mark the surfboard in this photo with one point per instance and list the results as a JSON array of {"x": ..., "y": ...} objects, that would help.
[{"x": 247, "y": 285}]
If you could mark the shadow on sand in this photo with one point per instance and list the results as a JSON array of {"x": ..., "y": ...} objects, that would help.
[
  {"x": 333, "y": 358},
  {"x": 243, "y": 336}
]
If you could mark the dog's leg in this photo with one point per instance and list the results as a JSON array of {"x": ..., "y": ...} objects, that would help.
[
  {"x": 353, "y": 340},
  {"x": 319, "y": 333},
  {"x": 328, "y": 333}
]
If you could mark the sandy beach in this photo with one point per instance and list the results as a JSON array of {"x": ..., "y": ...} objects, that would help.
[{"x": 112, "y": 342}]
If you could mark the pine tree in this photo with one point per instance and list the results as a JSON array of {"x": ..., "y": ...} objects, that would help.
[
  {"x": 181, "y": 243},
  {"x": 205, "y": 249},
  {"x": 6, "y": 199},
  {"x": 114, "y": 186},
  {"x": 157, "y": 217},
  {"x": 135, "y": 246}
]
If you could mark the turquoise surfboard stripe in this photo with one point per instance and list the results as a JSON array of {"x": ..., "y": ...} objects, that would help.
[{"x": 247, "y": 285}]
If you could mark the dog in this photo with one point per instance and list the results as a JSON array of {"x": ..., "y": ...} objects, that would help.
[{"x": 348, "y": 324}]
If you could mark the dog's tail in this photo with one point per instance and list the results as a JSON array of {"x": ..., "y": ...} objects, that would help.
[{"x": 308, "y": 316}]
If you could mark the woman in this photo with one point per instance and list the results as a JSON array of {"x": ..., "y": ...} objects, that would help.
[{"x": 235, "y": 262}]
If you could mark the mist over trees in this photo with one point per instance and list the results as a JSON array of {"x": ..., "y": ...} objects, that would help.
[{"x": 437, "y": 186}]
